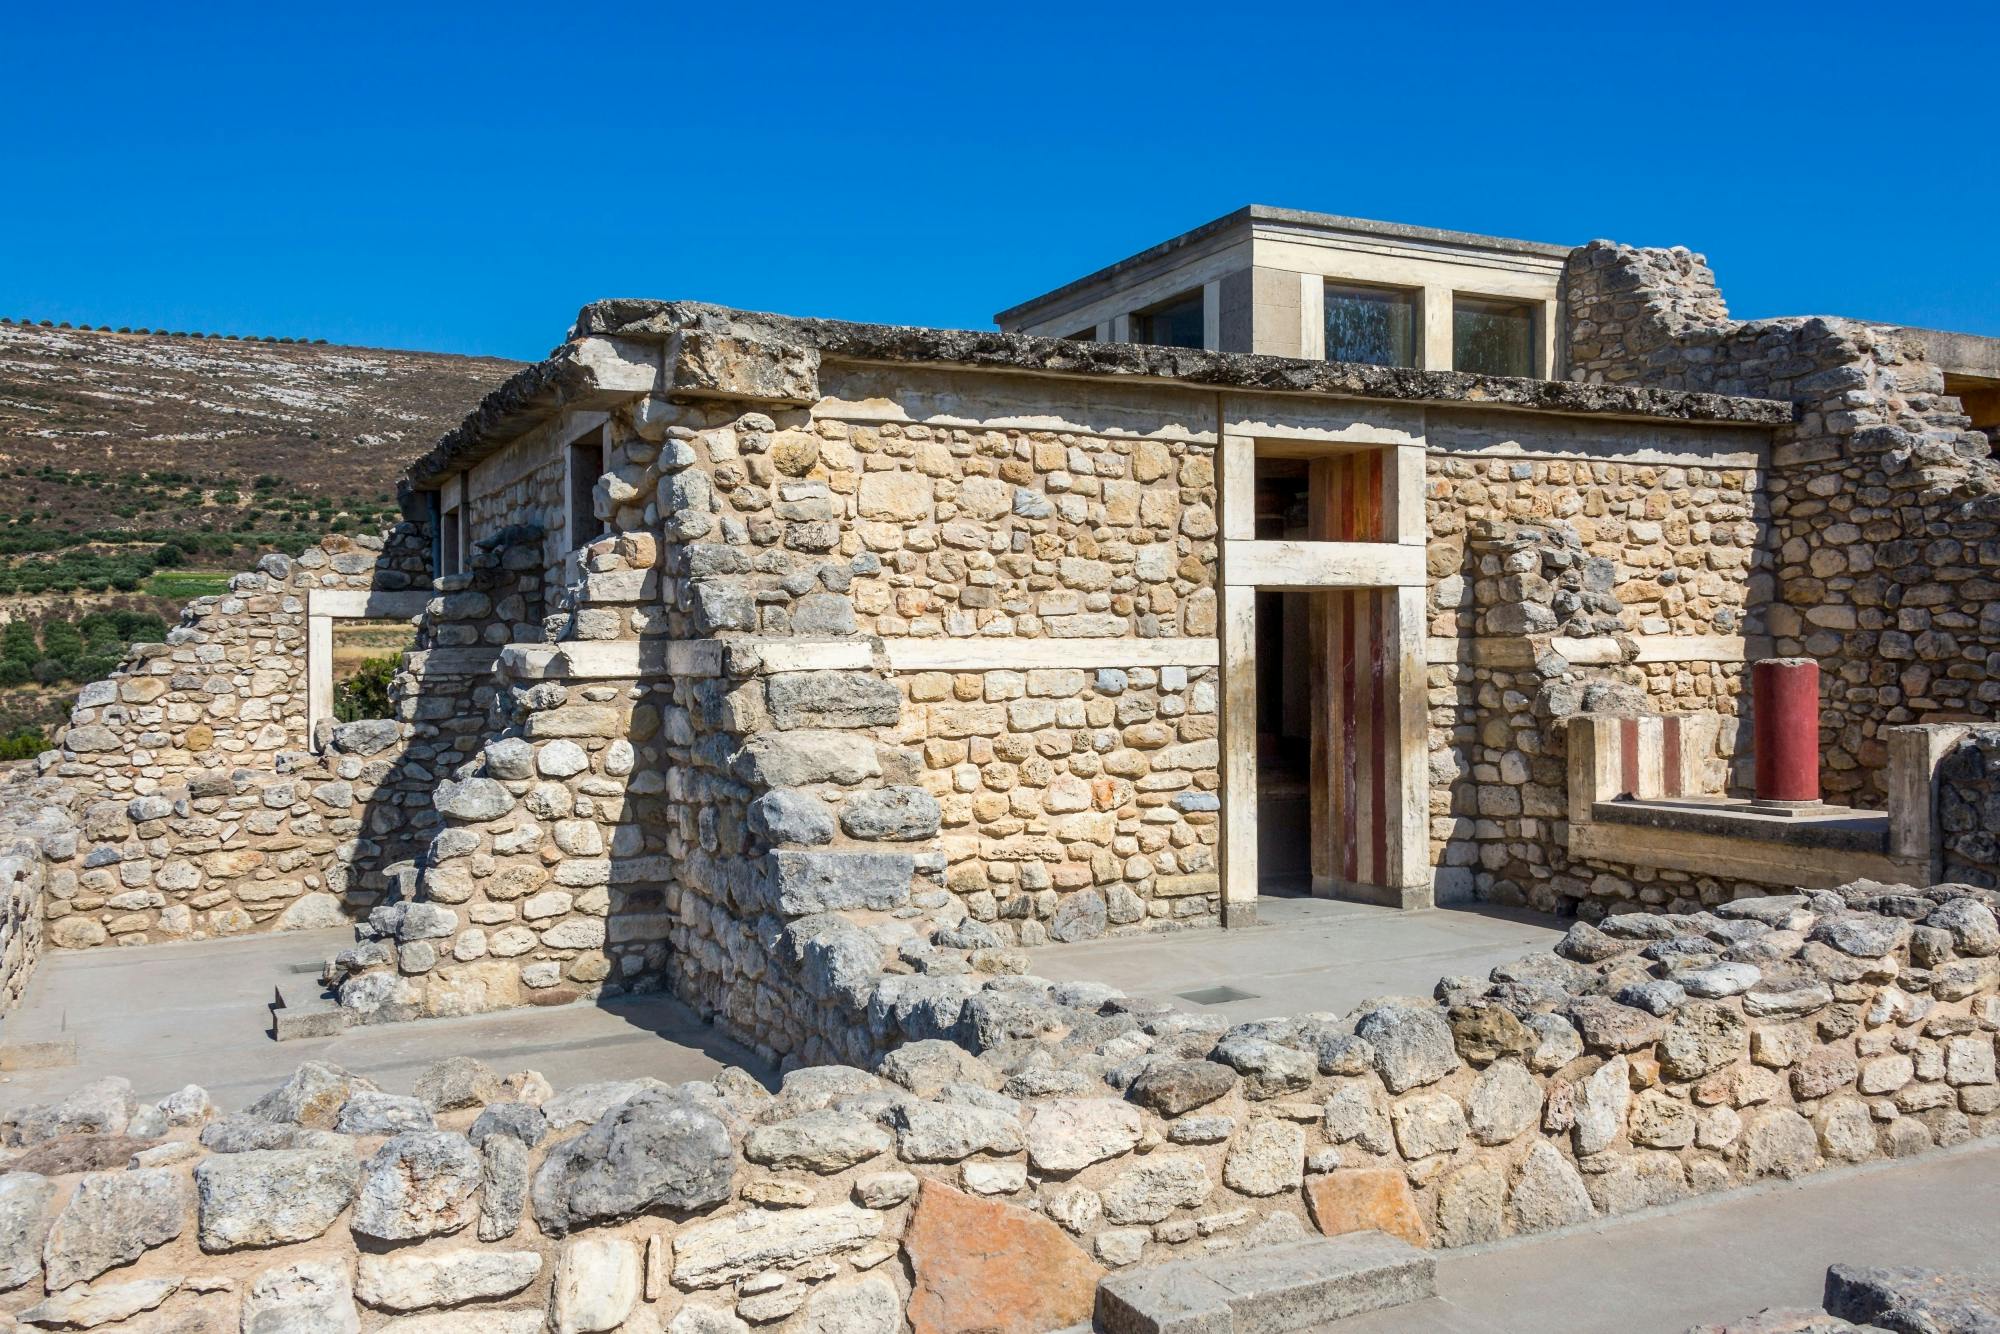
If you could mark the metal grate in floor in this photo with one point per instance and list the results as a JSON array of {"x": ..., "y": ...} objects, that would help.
[{"x": 1217, "y": 995}]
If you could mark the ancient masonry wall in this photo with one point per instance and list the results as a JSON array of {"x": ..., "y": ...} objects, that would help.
[
  {"x": 38, "y": 844},
  {"x": 1969, "y": 808},
  {"x": 1054, "y": 1132},
  {"x": 1883, "y": 547},
  {"x": 203, "y": 807}
]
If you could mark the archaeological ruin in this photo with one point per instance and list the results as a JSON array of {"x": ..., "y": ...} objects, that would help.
[{"x": 819, "y": 673}]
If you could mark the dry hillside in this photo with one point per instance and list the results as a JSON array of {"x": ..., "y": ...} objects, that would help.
[{"x": 141, "y": 469}]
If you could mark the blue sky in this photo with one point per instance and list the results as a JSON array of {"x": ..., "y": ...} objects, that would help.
[{"x": 463, "y": 179}]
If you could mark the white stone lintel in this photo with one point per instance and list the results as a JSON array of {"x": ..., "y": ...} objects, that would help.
[
  {"x": 371, "y": 603},
  {"x": 972, "y": 655},
  {"x": 1323, "y": 565}
]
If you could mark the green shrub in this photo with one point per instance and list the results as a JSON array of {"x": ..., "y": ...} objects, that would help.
[
  {"x": 366, "y": 693},
  {"x": 23, "y": 743}
]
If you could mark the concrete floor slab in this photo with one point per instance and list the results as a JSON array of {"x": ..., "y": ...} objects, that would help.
[
  {"x": 165, "y": 1015},
  {"x": 1717, "y": 1258},
  {"x": 1305, "y": 954}
]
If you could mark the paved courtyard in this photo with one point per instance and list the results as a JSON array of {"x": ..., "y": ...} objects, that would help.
[
  {"x": 162, "y": 1015},
  {"x": 1306, "y": 954}
]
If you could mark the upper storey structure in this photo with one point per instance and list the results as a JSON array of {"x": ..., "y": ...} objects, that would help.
[{"x": 1313, "y": 285}]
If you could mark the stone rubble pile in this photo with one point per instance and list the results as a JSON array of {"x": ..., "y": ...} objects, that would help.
[{"x": 1019, "y": 1125}]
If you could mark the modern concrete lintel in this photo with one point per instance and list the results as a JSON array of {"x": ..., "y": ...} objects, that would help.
[
  {"x": 1323, "y": 565},
  {"x": 372, "y": 603}
]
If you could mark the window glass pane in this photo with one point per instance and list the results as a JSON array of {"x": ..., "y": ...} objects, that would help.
[
  {"x": 1492, "y": 337},
  {"x": 1176, "y": 323},
  {"x": 1373, "y": 325}
]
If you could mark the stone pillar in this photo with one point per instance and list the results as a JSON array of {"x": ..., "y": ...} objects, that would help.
[{"x": 1785, "y": 744}]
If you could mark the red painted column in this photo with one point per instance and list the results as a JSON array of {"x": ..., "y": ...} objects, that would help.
[{"x": 1785, "y": 699}]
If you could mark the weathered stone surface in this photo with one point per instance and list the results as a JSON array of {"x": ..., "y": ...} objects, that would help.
[
  {"x": 113, "y": 1218},
  {"x": 1017, "y": 1270},
  {"x": 88, "y": 1306},
  {"x": 1610, "y": 1027},
  {"x": 928, "y": 1132},
  {"x": 786, "y": 816},
  {"x": 710, "y": 1253},
  {"x": 1601, "y": 1101},
  {"x": 1413, "y": 1044},
  {"x": 101, "y": 1107},
  {"x": 1703, "y": 1037},
  {"x": 1428, "y": 1123},
  {"x": 503, "y": 1186},
  {"x": 868, "y": 1305},
  {"x": 1269, "y": 1069},
  {"x": 1469, "y": 1204},
  {"x": 1356, "y": 1112},
  {"x": 926, "y": 1066},
  {"x": 455, "y": 1082},
  {"x": 901, "y": 813},
  {"x": 24, "y": 1223},
  {"x": 269, "y": 1197},
  {"x": 312, "y": 1097},
  {"x": 1174, "y": 1087},
  {"x": 824, "y": 1141},
  {"x": 371, "y": 1113},
  {"x": 1079, "y": 916},
  {"x": 1366, "y": 1199},
  {"x": 1069, "y": 1134},
  {"x": 1779, "y": 1143},
  {"x": 442, "y": 1278},
  {"x": 1268, "y": 1157},
  {"x": 1913, "y": 1301},
  {"x": 1549, "y": 1194},
  {"x": 1504, "y": 1102},
  {"x": 826, "y": 881},
  {"x": 472, "y": 800},
  {"x": 309, "y": 1297},
  {"x": 1636, "y": 1181},
  {"x": 651, "y": 1151},
  {"x": 598, "y": 1282},
  {"x": 419, "y": 1184},
  {"x": 1155, "y": 1187}
]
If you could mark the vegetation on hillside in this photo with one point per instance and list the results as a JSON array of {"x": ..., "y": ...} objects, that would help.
[{"x": 139, "y": 469}]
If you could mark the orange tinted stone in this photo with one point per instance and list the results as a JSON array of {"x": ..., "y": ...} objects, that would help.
[
  {"x": 983, "y": 1267},
  {"x": 1366, "y": 1199}
]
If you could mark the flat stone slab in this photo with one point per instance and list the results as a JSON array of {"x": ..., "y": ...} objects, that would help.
[
  {"x": 1266, "y": 1290},
  {"x": 1840, "y": 828}
]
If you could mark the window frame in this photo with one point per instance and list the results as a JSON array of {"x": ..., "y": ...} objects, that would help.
[
  {"x": 1413, "y": 297},
  {"x": 1531, "y": 308},
  {"x": 1196, "y": 296}
]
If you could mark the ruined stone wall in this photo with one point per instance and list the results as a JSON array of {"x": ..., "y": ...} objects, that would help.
[
  {"x": 1968, "y": 811},
  {"x": 1883, "y": 538},
  {"x": 1057, "y": 1131},
  {"x": 204, "y": 807},
  {"x": 38, "y": 845}
]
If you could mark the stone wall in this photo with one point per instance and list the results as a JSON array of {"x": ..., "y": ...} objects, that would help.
[
  {"x": 1968, "y": 814},
  {"x": 38, "y": 845},
  {"x": 1883, "y": 546},
  {"x": 1068, "y": 1130},
  {"x": 204, "y": 806}
]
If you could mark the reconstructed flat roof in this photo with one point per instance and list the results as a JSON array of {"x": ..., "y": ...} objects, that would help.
[
  {"x": 532, "y": 395},
  {"x": 1968, "y": 354},
  {"x": 1251, "y": 214}
]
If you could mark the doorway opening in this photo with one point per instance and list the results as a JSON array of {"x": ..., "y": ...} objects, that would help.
[{"x": 1285, "y": 752}]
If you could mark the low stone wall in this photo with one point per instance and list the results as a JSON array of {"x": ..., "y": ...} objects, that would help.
[
  {"x": 1968, "y": 812},
  {"x": 1043, "y": 1135},
  {"x": 38, "y": 842}
]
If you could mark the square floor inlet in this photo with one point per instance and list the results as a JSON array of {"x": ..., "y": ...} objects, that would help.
[{"x": 1217, "y": 995}]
